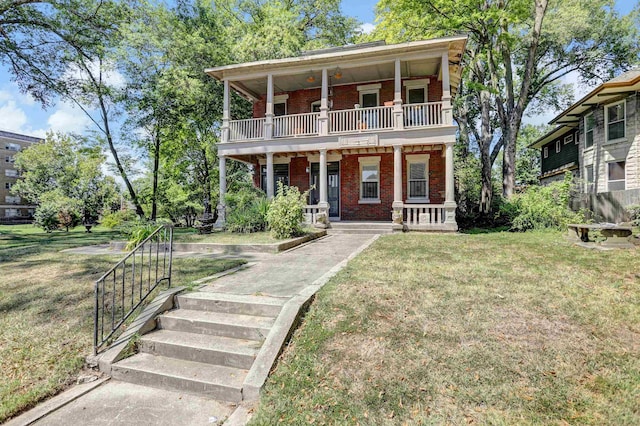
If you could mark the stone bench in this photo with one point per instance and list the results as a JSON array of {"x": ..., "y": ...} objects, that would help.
[{"x": 615, "y": 235}]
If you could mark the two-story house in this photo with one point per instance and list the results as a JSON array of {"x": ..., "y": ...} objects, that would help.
[
  {"x": 558, "y": 153},
  {"x": 368, "y": 128},
  {"x": 12, "y": 208},
  {"x": 606, "y": 125}
]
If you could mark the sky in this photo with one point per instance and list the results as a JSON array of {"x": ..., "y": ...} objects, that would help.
[{"x": 20, "y": 113}]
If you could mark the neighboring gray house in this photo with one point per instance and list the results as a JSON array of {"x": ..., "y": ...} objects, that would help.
[
  {"x": 558, "y": 153},
  {"x": 608, "y": 128}
]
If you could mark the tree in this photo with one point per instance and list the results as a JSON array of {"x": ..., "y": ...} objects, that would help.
[
  {"x": 65, "y": 180},
  {"x": 517, "y": 54},
  {"x": 528, "y": 159}
]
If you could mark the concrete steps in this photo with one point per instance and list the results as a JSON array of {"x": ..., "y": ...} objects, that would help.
[
  {"x": 206, "y": 346},
  {"x": 360, "y": 228}
]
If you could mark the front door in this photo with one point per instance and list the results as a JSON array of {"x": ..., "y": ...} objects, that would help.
[{"x": 333, "y": 187}]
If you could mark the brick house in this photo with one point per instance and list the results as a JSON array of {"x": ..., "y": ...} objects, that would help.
[{"x": 368, "y": 128}]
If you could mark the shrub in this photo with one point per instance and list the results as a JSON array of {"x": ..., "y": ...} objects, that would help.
[
  {"x": 246, "y": 211},
  {"x": 46, "y": 217},
  {"x": 57, "y": 211},
  {"x": 286, "y": 212},
  {"x": 117, "y": 218},
  {"x": 137, "y": 231},
  {"x": 634, "y": 214},
  {"x": 541, "y": 207}
]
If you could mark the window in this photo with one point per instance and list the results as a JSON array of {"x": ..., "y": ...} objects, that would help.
[
  {"x": 616, "y": 176},
  {"x": 280, "y": 174},
  {"x": 416, "y": 91},
  {"x": 615, "y": 121},
  {"x": 568, "y": 139},
  {"x": 11, "y": 173},
  {"x": 12, "y": 147},
  {"x": 9, "y": 159},
  {"x": 589, "y": 124},
  {"x": 576, "y": 139},
  {"x": 10, "y": 212},
  {"x": 280, "y": 105},
  {"x": 558, "y": 146},
  {"x": 369, "y": 179},
  {"x": 418, "y": 177},
  {"x": 369, "y": 95},
  {"x": 545, "y": 152},
  {"x": 7, "y": 185},
  {"x": 11, "y": 199},
  {"x": 588, "y": 173},
  {"x": 315, "y": 106}
]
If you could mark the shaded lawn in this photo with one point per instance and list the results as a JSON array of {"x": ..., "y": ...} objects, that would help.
[
  {"x": 46, "y": 310},
  {"x": 495, "y": 328}
]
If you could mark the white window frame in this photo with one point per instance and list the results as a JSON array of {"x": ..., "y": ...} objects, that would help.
[
  {"x": 593, "y": 141},
  {"x": 11, "y": 212},
  {"x": 619, "y": 180},
  {"x": 368, "y": 161},
  {"x": 568, "y": 139},
  {"x": 558, "y": 146},
  {"x": 588, "y": 185},
  {"x": 607, "y": 123},
  {"x": 9, "y": 159},
  {"x": 314, "y": 103},
  {"x": 418, "y": 159},
  {"x": 422, "y": 83},
  {"x": 12, "y": 146},
  {"x": 369, "y": 89},
  {"x": 576, "y": 138},
  {"x": 11, "y": 173},
  {"x": 545, "y": 152},
  {"x": 281, "y": 99}
]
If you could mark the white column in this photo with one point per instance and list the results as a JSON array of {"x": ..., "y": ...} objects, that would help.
[
  {"x": 226, "y": 101},
  {"x": 270, "y": 179},
  {"x": 268, "y": 123},
  {"x": 222, "y": 173},
  {"x": 449, "y": 197},
  {"x": 323, "y": 179},
  {"x": 398, "y": 122},
  {"x": 323, "y": 121},
  {"x": 398, "y": 205},
  {"x": 447, "y": 109}
]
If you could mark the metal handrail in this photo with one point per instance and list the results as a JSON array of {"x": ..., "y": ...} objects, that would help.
[{"x": 113, "y": 299}]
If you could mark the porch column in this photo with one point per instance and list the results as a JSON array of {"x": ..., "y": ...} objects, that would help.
[
  {"x": 222, "y": 169},
  {"x": 323, "y": 121},
  {"x": 270, "y": 183},
  {"x": 398, "y": 122},
  {"x": 268, "y": 122},
  {"x": 225, "y": 112},
  {"x": 396, "y": 216},
  {"x": 449, "y": 197},
  {"x": 447, "y": 109},
  {"x": 323, "y": 180}
]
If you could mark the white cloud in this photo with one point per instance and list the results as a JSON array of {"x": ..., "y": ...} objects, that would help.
[
  {"x": 110, "y": 75},
  {"x": 12, "y": 118},
  {"x": 367, "y": 27},
  {"x": 69, "y": 119}
]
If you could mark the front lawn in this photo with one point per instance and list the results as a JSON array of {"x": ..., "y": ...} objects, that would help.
[
  {"x": 46, "y": 308},
  {"x": 497, "y": 328}
]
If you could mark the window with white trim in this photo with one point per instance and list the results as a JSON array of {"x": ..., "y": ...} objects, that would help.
[
  {"x": 589, "y": 177},
  {"x": 616, "y": 176},
  {"x": 10, "y": 212},
  {"x": 369, "y": 95},
  {"x": 416, "y": 91},
  {"x": 11, "y": 173},
  {"x": 315, "y": 106},
  {"x": 7, "y": 185},
  {"x": 280, "y": 105},
  {"x": 589, "y": 125},
  {"x": 12, "y": 146},
  {"x": 558, "y": 146},
  {"x": 545, "y": 152},
  {"x": 12, "y": 199},
  {"x": 369, "y": 179},
  {"x": 568, "y": 139},
  {"x": 576, "y": 139},
  {"x": 418, "y": 177},
  {"x": 9, "y": 159},
  {"x": 615, "y": 117}
]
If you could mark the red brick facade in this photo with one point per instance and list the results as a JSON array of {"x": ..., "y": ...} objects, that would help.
[
  {"x": 350, "y": 209},
  {"x": 344, "y": 97}
]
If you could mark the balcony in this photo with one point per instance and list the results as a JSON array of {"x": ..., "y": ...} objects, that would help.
[{"x": 348, "y": 121}]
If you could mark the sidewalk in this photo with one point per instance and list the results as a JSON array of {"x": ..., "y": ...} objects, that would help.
[{"x": 285, "y": 275}]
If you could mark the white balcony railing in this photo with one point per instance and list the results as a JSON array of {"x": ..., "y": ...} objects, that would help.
[
  {"x": 245, "y": 130},
  {"x": 422, "y": 115},
  {"x": 424, "y": 214},
  {"x": 361, "y": 119},
  {"x": 296, "y": 125}
]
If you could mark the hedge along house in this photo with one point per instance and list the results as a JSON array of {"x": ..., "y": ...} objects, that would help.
[
  {"x": 368, "y": 128},
  {"x": 558, "y": 154}
]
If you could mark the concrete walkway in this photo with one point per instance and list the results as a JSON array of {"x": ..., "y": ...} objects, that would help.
[{"x": 283, "y": 275}]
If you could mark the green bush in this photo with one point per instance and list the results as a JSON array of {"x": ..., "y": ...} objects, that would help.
[
  {"x": 57, "y": 211},
  {"x": 46, "y": 217},
  {"x": 246, "y": 211},
  {"x": 117, "y": 218},
  {"x": 286, "y": 212},
  {"x": 137, "y": 231},
  {"x": 541, "y": 207},
  {"x": 634, "y": 214}
]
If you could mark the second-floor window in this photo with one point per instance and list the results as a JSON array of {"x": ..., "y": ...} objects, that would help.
[
  {"x": 12, "y": 147},
  {"x": 558, "y": 146},
  {"x": 11, "y": 173},
  {"x": 615, "y": 121},
  {"x": 9, "y": 159},
  {"x": 7, "y": 185},
  {"x": 11, "y": 199},
  {"x": 369, "y": 95},
  {"x": 589, "y": 124},
  {"x": 545, "y": 152},
  {"x": 568, "y": 139}
]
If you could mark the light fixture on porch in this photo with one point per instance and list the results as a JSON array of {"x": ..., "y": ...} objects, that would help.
[
  {"x": 338, "y": 73},
  {"x": 311, "y": 78}
]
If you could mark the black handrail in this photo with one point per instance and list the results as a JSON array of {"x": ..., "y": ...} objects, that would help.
[{"x": 115, "y": 300}]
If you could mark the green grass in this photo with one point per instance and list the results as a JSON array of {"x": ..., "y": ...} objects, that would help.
[
  {"x": 46, "y": 308},
  {"x": 495, "y": 328}
]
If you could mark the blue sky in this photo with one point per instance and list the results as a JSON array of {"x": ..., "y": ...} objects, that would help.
[{"x": 20, "y": 113}]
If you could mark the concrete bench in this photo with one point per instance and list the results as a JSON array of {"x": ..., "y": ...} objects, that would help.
[{"x": 615, "y": 235}]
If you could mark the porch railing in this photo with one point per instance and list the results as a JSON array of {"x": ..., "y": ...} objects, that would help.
[
  {"x": 422, "y": 115},
  {"x": 361, "y": 119},
  {"x": 423, "y": 214},
  {"x": 248, "y": 129},
  {"x": 126, "y": 286},
  {"x": 296, "y": 125},
  {"x": 311, "y": 214}
]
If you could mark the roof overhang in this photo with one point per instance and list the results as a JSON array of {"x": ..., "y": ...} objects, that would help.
[
  {"x": 552, "y": 135},
  {"x": 371, "y": 62},
  {"x": 609, "y": 91}
]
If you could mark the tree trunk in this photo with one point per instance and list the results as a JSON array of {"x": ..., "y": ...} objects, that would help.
[
  {"x": 486, "y": 192},
  {"x": 156, "y": 165},
  {"x": 509, "y": 164}
]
